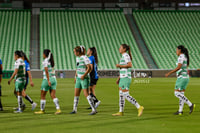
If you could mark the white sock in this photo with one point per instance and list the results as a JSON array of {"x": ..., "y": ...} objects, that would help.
[
  {"x": 121, "y": 101},
  {"x": 42, "y": 104},
  {"x": 76, "y": 99},
  {"x": 181, "y": 105},
  {"x": 56, "y": 102},
  {"x": 91, "y": 102},
  {"x": 131, "y": 99},
  {"x": 19, "y": 99},
  {"x": 181, "y": 96}
]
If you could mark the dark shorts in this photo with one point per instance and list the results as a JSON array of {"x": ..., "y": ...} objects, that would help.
[
  {"x": 93, "y": 82},
  {"x": 1, "y": 72}
]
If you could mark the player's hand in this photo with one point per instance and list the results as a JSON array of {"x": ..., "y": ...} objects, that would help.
[
  {"x": 32, "y": 84},
  {"x": 117, "y": 65},
  {"x": 82, "y": 77},
  {"x": 74, "y": 80},
  {"x": 198, "y": 69},
  {"x": 49, "y": 83},
  {"x": 9, "y": 82},
  {"x": 117, "y": 82},
  {"x": 167, "y": 74}
]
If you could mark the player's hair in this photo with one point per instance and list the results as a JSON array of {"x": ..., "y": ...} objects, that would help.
[
  {"x": 185, "y": 51},
  {"x": 127, "y": 47},
  {"x": 94, "y": 53},
  {"x": 18, "y": 53},
  {"x": 49, "y": 55},
  {"x": 80, "y": 49},
  {"x": 25, "y": 57}
]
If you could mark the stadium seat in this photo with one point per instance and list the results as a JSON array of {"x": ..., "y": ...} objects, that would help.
[
  {"x": 163, "y": 31},
  {"x": 61, "y": 31},
  {"x": 14, "y": 35}
]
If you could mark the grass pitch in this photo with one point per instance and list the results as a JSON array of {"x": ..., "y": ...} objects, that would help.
[{"x": 156, "y": 95}]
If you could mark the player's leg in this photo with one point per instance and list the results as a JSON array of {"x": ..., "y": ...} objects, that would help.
[
  {"x": 19, "y": 87},
  {"x": 124, "y": 85},
  {"x": 84, "y": 86},
  {"x": 44, "y": 90},
  {"x": 77, "y": 92},
  {"x": 180, "y": 87},
  {"x": 53, "y": 95},
  {"x": 27, "y": 97},
  {"x": 121, "y": 104},
  {"x": 90, "y": 101}
]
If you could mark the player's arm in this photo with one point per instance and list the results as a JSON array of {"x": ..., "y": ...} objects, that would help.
[
  {"x": 75, "y": 77},
  {"x": 87, "y": 71},
  {"x": 117, "y": 82},
  {"x": 13, "y": 75},
  {"x": 47, "y": 74},
  {"x": 30, "y": 77},
  {"x": 175, "y": 70},
  {"x": 129, "y": 65}
]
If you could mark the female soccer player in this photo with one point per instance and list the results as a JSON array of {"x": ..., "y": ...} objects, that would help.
[
  {"x": 49, "y": 82},
  {"x": 1, "y": 69},
  {"x": 92, "y": 53},
  {"x": 182, "y": 78},
  {"x": 19, "y": 74},
  {"x": 124, "y": 81},
  {"x": 82, "y": 79},
  {"x": 28, "y": 76}
]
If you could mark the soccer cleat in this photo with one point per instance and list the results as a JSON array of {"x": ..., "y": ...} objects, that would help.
[
  {"x": 40, "y": 112},
  {"x": 93, "y": 113},
  {"x": 118, "y": 114},
  {"x": 178, "y": 113},
  {"x": 34, "y": 105},
  {"x": 73, "y": 112},
  {"x": 58, "y": 111},
  {"x": 140, "y": 111},
  {"x": 1, "y": 109},
  {"x": 18, "y": 111},
  {"x": 192, "y": 108},
  {"x": 97, "y": 104}
]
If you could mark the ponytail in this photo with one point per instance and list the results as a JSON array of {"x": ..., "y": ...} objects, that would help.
[
  {"x": 94, "y": 53},
  {"x": 49, "y": 56},
  {"x": 25, "y": 57},
  {"x": 127, "y": 47},
  {"x": 185, "y": 52},
  {"x": 187, "y": 55}
]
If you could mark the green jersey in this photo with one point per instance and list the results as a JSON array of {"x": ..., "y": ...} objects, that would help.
[
  {"x": 51, "y": 70},
  {"x": 81, "y": 63},
  {"x": 182, "y": 72},
  {"x": 125, "y": 72},
  {"x": 20, "y": 65}
]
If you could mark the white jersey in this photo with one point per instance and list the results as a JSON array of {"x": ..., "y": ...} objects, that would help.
[
  {"x": 125, "y": 72},
  {"x": 51, "y": 70},
  {"x": 81, "y": 63}
]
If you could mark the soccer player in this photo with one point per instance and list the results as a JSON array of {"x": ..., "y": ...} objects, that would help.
[
  {"x": 19, "y": 74},
  {"x": 49, "y": 82},
  {"x": 92, "y": 53},
  {"x": 182, "y": 79},
  {"x": 1, "y": 69},
  {"x": 82, "y": 79},
  {"x": 124, "y": 81},
  {"x": 28, "y": 76}
]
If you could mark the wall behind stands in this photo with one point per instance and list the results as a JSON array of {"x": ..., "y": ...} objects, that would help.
[{"x": 115, "y": 73}]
